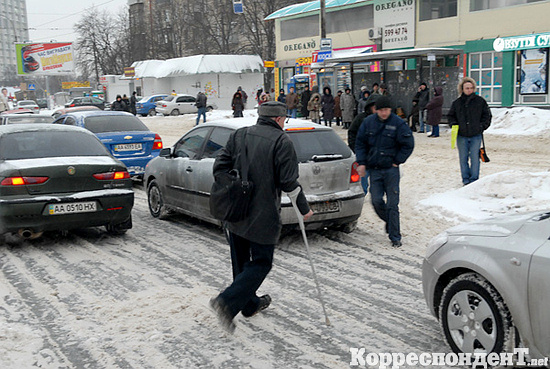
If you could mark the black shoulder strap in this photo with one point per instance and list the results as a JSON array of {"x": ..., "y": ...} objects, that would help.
[{"x": 244, "y": 157}]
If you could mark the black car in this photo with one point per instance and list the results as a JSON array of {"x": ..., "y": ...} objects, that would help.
[
  {"x": 57, "y": 177},
  {"x": 42, "y": 103},
  {"x": 86, "y": 101}
]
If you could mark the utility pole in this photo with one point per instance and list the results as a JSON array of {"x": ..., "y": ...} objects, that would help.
[{"x": 322, "y": 20}]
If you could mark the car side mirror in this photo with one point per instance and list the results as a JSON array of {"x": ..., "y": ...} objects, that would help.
[{"x": 166, "y": 152}]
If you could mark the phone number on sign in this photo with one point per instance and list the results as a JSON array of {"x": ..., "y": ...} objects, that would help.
[{"x": 397, "y": 31}]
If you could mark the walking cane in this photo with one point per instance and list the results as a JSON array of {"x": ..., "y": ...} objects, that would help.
[{"x": 293, "y": 195}]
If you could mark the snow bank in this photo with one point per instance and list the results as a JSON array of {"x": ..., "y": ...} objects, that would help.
[
  {"x": 508, "y": 192},
  {"x": 519, "y": 121}
]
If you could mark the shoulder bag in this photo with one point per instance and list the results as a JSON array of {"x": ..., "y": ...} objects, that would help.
[
  {"x": 231, "y": 192},
  {"x": 482, "y": 153}
]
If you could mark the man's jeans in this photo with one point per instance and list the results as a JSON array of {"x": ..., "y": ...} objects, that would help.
[
  {"x": 291, "y": 113},
  {"x": 202, "y": 111},
  {"x": 251, "y": 263},
  {"x": 386, "y": 182},
  {"x": 422, "y": 115},
  {"x": 468, "y": 155}
]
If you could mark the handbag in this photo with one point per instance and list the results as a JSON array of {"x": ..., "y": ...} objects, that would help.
[
  {"x": 482, "y": 153},
  {"x": 231, "y": 192}
]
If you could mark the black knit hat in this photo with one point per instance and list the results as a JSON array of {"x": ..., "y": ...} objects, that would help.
[
  {"x": 383, "y": 102},
  {"x": 272, "y": 109}
]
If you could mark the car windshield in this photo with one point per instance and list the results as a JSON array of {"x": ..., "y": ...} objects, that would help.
[
  {"x": 318, "y": 145},
  {"x": 48, "y": 144},
  {"x": 23, "y": 103},
  {"x": 28, "y": 119},
  {"x": 169, "y": 98},
  {"x": 114, "y": 123}
]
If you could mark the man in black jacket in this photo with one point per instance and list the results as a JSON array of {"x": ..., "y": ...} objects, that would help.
[
  {"x": 423, "y": 96},
  {"x": 273, "y": 167},
  {"x": 384, "y": 142},
  {"x": 473, "y": 116}
]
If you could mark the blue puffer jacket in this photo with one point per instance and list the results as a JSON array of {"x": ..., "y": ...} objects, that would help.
[{"x": 380, "y": 144}]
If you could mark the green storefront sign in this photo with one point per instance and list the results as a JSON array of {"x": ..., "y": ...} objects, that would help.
[{"x": 535, "y": 41}]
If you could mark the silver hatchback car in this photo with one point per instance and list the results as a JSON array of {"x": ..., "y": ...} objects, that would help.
[
  {"x": 181, "y": 177},
  {"x": 489, "y": 284},
  {"x": 180, "y": 104}
]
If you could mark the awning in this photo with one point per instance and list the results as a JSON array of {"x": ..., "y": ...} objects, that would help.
[
  {"x": 341, "y": 54},
  {"x": 393, "y": 55},
  {"x": 312, "y": 6}
]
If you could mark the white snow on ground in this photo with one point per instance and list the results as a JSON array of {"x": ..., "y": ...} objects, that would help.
[{"x": 519, "y": 121}]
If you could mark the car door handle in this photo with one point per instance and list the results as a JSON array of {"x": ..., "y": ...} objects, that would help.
[{"x": 189, "y": 169}]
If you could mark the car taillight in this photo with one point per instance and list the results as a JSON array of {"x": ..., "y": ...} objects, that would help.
[
  {"x": 300, "y": 129},
  {"x": 109, "y": 176},
  {"x": 72, "y": 105},
  {"x": 19, "y": 181},
  {"x": 157, "y": 145},
  {"x": 163, "y": 105},
  {"x": 354, "y": 174}
]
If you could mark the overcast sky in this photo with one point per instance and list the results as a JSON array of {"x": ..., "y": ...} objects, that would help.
[{"x": 54, "y": 19}]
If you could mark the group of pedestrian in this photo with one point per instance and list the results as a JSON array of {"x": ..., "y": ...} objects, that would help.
[
  {"x": 123, "y": 103},
  {"x": 382, "y": 141}
]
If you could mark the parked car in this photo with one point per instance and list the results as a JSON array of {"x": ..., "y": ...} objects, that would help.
[
  {"x": 487, "y": 282},
  {"x": 59, "y": 178},
  {"x": 181, "y": 177},
  {"x": 25, "y": 118},
  {"x": 147, "y": 105},
  {"x": 27, "y": 104},
  {"x": 17, "y": 111},
  {"x": 124, "y": 135},
  {"x": 180, "y": 104},
  {"x": 86, "y": 100},
  {"x": 42, "y": 103},
  {"x": 59, "y": 112}
]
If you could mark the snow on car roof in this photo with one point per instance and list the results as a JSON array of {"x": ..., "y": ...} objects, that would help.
[
  {"x": 89, "y": 113},
  {"x": 14, "y": 128},
  {"x": 236, "y": 123}
]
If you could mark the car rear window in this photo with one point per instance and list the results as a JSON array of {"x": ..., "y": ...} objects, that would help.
[
  {"x": 114, "y": 123},
  {"x": 23, "y": 103},
  {"x": 318, "y": 143},
  {"x": 48, "y": 144},
  {"x": 25, "y": 119}
]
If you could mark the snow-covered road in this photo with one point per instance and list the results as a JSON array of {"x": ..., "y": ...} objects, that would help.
[{"x": 90, "y": 300}]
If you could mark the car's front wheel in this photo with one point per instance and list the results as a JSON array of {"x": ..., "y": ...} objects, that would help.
[
  {"x": 175, "y": 112},
  {"x": 209, "y": 108},
  {"x": 474, "y": 317},
  {"x": 156, "y": 201}
]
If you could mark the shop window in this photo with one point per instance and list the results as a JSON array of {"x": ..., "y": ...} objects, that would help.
[
  {"x": 476, "y": 5},
  {"x": 300, "y": 27},
  {"x": 486, "y": 70},
  {"x": 353, "y": 19},
  {"x": 435, "y": 9}
]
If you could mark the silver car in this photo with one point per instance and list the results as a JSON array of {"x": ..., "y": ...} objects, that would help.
[
  {"x": 180, "y": 104},
  {"x": 489, "y": 284},
  {"x": 181, "y": 177}
]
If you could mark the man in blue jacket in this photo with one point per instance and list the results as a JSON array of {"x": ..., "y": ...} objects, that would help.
[{"x": 384, "y": 142}]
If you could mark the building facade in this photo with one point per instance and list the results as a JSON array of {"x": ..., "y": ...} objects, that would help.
[
  {"x": 502, "y": 44},
  {"x": 14, "y": 26}
]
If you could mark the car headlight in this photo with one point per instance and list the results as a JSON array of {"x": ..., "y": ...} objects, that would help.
[{"x": 436, "y": 243}]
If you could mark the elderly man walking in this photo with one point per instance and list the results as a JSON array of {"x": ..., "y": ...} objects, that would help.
[{"x": 252, "y": 240}]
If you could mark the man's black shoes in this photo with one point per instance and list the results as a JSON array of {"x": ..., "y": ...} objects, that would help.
[
  {"x": 396, "y": 243},
  {"x": 223, "y": 314},
  {"x": 265, "y": 301}
]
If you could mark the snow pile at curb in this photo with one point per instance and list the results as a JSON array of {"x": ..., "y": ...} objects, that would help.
[
  {"x": 519, "y": 121},
  {"x": 508, "y": 192}
]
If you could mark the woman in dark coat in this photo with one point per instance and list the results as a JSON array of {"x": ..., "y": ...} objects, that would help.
[
  {"x": 337, "y": 108},
  {"x": 327, "y": 106},
  {"x": 237, "y": 104},
  {"x": 435, "y": 111}
]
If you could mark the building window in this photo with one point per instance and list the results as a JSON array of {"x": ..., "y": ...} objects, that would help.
[
  {"x": 476, "y": 5},
  {"x": 435, "y": 9},
  {"x": 300, "y": 27},
  {"x": 351, "y": 19},
  {"x": 486, "y": 70}
]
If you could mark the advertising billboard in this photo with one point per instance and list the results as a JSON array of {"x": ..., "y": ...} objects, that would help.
[
  {"x": 534, "y": 71},
  {"x": 44, "y": 58}
]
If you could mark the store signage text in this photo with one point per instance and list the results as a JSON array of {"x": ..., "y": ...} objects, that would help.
[
  {"x": 522, "y": 42},
  {"x": 300, "y": 46},
  {"x": 393, "y": 4},
  {"x": 303, "y": 61}
]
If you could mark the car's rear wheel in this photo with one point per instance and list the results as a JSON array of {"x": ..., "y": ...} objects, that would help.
[
  {"x": 348, "y": 227},
  {"x": 209, "y": 108},
  {"x": 175, "y": 112},
  {"x": 474, "y": 317},
  {"x": 156, "y": 201},
  {"x": 152, "y": 113},
  {"x": 120, "y": 228}
]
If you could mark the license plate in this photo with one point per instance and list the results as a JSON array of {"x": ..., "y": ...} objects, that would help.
[
  {"x": 72, "y": 208},
  {"x": 325, "y": 207},
  {"x": 128, "y": 147}
]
